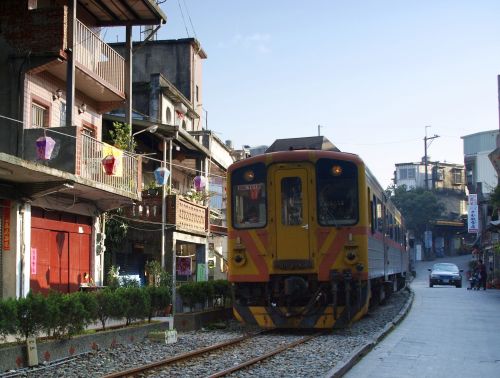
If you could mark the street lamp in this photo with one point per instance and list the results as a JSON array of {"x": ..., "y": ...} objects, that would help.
[{"x": 152, "y": 129}]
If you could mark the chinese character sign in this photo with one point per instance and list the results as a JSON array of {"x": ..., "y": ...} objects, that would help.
[
  {"x": 473, "y": 219},
  {"x": 473, "y": 199}
]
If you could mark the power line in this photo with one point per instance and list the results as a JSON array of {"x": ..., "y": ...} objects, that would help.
[
  {"x": 183, "y": 20},
  {"x": 189, "y": 16}
]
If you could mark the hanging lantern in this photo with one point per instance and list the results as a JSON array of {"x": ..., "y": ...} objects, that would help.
[
  {"x": 109, "y": 163},
  {"x": 161, "y": 175},
  {"x": 200, "y": 182},
  {"x": 44, "y": 147}
]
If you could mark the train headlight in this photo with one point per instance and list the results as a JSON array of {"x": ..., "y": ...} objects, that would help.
[
  {"x": 239, "y": 259},
  {"x": 351, "y": 255}
]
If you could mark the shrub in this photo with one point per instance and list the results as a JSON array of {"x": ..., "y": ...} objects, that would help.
[
  {"x": 108, "y": 305},
  {"x": 74, "y": 315},
  {"x": 135, "y": 302},
  {"x": 31, "y": 312},
  {"x": 8, "y": 317},
  {"x": 222, "y": 291},
  {"x": 159, "y": 298},
  {"x": 52, "y": 322}
]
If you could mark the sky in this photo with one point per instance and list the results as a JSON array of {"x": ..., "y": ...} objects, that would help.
[{"x": 372, "y": 74}]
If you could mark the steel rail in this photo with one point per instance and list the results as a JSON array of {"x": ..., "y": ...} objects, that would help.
[
  {"x": 141, "y": 369},
  {"x": 264, "y": 356}
]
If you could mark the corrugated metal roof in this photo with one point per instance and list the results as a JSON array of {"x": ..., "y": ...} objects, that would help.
[
  {"x": 123, "y": 12},
  {"x": 305, "y": 143}
]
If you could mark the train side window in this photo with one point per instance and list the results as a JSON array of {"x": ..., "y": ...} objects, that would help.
[
  {"x": 291, "y": 201},
  {"x": 380, "y": 219},
  {"x": 370, "y": 212}
]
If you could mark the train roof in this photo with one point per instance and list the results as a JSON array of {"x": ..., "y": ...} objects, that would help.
[{"x": 305, "y": 143}]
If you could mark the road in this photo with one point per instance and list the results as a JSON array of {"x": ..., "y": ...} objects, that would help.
[{"x": 448, "y": 332}]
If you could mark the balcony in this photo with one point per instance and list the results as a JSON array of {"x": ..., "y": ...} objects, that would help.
[
  {"x": 100, "y": 70},
  {"x": 185, "y": 215},
  {"x": 82, "y": 155}
]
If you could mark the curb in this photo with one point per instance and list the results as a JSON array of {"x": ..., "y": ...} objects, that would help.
[{"x": 353, "y": 358}]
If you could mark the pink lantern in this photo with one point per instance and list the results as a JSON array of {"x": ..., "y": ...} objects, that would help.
[
  {"x": 109, "y": 163},
  {"x": 161, "y": 175},
  {"x": 44, "y": 147},
  {"x": 200, "y": 182}
]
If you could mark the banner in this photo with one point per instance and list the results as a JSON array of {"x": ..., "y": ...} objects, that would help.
[
  {"x": 473, "y": 214},
  {"x": 6, "y": 225}
]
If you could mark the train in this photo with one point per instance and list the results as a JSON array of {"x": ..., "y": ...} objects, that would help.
[{"x": 313, "y": 239}]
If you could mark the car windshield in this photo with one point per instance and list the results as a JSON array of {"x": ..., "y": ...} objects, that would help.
[{"x": 445, "y": 267}]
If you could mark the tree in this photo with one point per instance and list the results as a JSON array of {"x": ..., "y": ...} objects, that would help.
[{"x": 418, "y": 207}]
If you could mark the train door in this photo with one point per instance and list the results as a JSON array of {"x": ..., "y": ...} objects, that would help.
[{"x": 292, "y": 215}]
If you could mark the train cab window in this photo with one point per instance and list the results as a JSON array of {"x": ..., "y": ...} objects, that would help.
[
  {"x": 337, "y": 192},
  {"x": 249, "y": 197},
  {"x": 291, "y": 198}
]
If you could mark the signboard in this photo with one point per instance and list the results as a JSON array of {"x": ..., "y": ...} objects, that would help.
[
  {"x": 6, "y": 226},
  {"x": 473, "y": 214}
]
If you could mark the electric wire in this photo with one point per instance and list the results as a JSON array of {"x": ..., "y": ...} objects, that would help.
[
  {"x": 190, "y": 21},
  {"x": 183, "y": 20}
]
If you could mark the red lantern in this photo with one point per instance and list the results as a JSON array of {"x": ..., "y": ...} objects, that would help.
[
  {"x": 44, "y": 147},
  {"x": 109, "y": 163}
]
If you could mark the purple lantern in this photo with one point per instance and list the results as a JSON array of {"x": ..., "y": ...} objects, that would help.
[
  {"x": 200, "y": 182},
  {"x": 161, "y": 175},
  {"x": 44, "y": 147}
]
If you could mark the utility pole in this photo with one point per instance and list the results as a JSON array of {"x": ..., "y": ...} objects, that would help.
[{"x": 425, "y": 156}]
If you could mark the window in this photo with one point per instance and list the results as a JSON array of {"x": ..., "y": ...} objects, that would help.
[
  {"x": 457, "y": 177},
  {"x": 249, "y": 197},
  {"x": 407, "y": 173},
  {"x": 197, "y": 94},
  {"x": 39, "y": 115},
  {"x": 169, "y": 116},
  {"x": 337, "y": 192},
  {"x": 291, "y": 201}
]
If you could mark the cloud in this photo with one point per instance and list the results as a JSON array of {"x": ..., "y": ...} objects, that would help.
[{"x": 257, "y": 42}]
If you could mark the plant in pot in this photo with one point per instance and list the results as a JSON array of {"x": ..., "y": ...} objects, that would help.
[{"x": 152, "y": 188}]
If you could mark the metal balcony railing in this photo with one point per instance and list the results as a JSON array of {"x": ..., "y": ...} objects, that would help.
[
  {"x": 92, "y": 152},
  {"x": 98, "y": 57}
]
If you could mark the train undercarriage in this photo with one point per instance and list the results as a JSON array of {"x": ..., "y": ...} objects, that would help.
[{"x": 301, "y": 301}]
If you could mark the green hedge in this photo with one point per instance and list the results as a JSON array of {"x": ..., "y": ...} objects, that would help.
[
  {"x": 65, "y": 315},
  {"x": 216, "y": 292}
]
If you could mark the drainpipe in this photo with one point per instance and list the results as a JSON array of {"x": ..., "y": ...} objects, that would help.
[{"x": 70, "y": 71}]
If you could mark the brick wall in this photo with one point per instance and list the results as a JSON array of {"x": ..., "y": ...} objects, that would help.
[{"x": 38, "y": 30}]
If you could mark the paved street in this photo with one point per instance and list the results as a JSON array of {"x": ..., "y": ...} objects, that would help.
[{"x": 449, "y": 332}]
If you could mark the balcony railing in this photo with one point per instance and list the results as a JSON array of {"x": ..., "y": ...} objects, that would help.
[
  {"x": 91, "y": 167},
  {"x": 184, "y": 214},
  {"x": 98, "y": 57}
]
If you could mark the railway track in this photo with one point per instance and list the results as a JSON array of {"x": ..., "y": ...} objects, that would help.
[{"x": 158, "y": 367}]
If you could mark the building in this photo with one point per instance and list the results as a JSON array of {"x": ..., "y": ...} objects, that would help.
[
  {"x": 59, "y": 77},
  {"x": 482, "y": 177},
  {"x": 168, "y": 93},
  {"x": 447, "y": 181}
]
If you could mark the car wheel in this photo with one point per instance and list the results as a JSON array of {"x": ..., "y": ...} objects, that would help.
[
  {"x": 430, "y": 284},
  {"x": 459, "y": 285}
]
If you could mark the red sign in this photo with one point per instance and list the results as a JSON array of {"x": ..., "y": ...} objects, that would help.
[{"x": 6, "y": 226}]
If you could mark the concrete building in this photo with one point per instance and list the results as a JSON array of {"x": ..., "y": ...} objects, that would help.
[
  {"x": 447, "y": 181},
  {"x": 168, "y": 93},
  {"x": 59, "y": 77}
]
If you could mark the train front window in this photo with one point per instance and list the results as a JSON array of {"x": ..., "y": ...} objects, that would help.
[
  {"x": 337, "y": 192},
  {"x": 249, "y": 197},
  {"x": 291, "y": 197}
]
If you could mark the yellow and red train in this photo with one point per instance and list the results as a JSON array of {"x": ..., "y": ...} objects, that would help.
[{"x": 312, "y": 238}]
